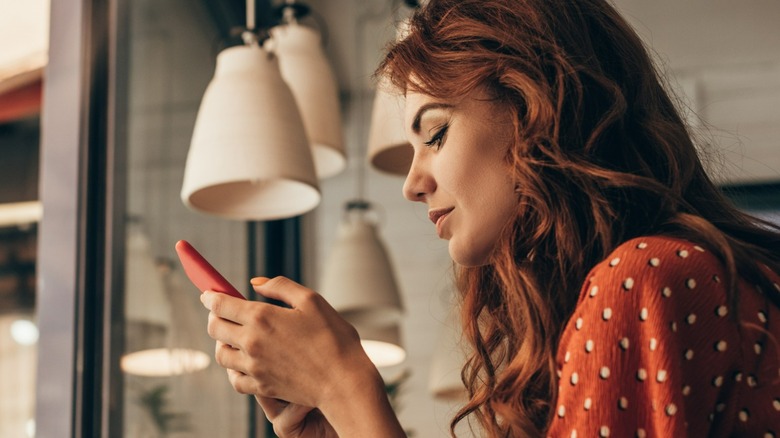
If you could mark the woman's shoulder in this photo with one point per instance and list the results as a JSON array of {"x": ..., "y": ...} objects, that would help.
[
  {"x": 645, "y": 248},
  {"x": 656, "y": 316},
  {"x": 658, "y": 274},
  {"x": 657, "y": 259}
]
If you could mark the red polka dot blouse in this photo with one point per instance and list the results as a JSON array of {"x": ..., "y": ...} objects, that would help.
[{"x": 653, "y": 349}]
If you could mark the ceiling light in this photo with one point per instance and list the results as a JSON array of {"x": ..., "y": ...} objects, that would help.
[
  {"x": 20, "y": 213},
  {"x": 249, "y": 158},
  {"x": 24, "y": 332},
  {"x": 152, "y": 347},
  {"x": 389, "y": 149},
  {"x": 306, "y": 70},
  {"x": 382, "y": 345},
  {"x": 358, "y": 279},
  {"x": 160, "y": 362}
]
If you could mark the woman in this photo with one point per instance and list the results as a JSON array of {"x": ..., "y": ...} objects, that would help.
[{"x": 608, "y": 287}]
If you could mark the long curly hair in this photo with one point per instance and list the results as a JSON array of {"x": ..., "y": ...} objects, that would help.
[{"x": 600, "y": 155}]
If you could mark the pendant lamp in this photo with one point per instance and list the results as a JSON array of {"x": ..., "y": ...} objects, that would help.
[
  {"x": 307, "y": 72},
  {"x": 389, "y": 149},
  {"x": 249, "y": 158},
  {"x": 382, "y": 344},
  {"x": 358, "y": 279},
  {"x": 150, "y": 318}
]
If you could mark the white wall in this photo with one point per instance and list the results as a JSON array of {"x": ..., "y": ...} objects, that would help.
[{"x": 725, "y": 56}]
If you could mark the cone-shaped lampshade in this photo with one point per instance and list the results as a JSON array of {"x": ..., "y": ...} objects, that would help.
[
  {"x": 382, "y": 344},
  {"x": 358, "y": 278},
  {"x": 388, "y": 148},
  {"x": 145, "y": 300},
  {"x": 448, "y": 359},
  {"x": 249, "y": 158},
  {"x": 149, "y": 318},
  {"x": 307, "y": 72}
]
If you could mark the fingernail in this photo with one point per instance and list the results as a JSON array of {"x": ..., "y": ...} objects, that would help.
[
  {"x": 259, "y": 281},
  {"x": 205, "y": 298}
]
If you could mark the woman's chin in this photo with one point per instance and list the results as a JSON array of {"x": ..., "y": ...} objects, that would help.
[{"x": 467, "y": 257}]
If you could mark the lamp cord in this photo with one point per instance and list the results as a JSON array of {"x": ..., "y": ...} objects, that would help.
[{"x": 250, "y": 15}]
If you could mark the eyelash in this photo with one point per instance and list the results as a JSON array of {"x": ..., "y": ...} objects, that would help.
[{"x": 438, "y": 137}]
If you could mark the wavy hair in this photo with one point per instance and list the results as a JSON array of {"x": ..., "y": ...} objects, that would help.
[{"x": 600, "y": 155}]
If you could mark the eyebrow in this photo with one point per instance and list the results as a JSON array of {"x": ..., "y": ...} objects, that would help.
[{"x": 423, "y": 109}]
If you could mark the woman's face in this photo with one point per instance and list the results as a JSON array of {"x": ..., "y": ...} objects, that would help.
[{"x": 460, "y": 171}]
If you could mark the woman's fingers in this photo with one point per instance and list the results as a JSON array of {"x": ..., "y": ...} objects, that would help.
[
  {"x": 230, "y": 358},
  {"x": 229, "y": 308},
  {"x": 223, "y": 331},
  {"x": 236, "y": 310},
  {"x": 242, "y": 383},
  {"x": 222, "y": 305},
  {"x": 287, "y": 353},
  {"x": 283, "y": 289},
  {"x": 289, "y": 419},
  {"x": 273, "y": 407}
]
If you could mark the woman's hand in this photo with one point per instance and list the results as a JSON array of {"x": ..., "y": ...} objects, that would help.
[
  {"x": 295, "y": 421},
  {"x": 306, "y": 355},
  {"x": 303, "y": 354},
  {"x": 289, "y": 420}
]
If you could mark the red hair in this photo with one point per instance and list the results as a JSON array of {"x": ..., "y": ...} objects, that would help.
[{"x": 600, "y": 155}]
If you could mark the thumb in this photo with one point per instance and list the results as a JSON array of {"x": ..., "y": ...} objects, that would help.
[{"x": 259, "y": 281}]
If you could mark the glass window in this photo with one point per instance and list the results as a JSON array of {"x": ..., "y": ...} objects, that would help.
[{"x": 171, "y": 382}]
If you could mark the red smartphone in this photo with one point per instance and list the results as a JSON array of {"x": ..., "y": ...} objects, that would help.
[{"x": 201, "y": 273}]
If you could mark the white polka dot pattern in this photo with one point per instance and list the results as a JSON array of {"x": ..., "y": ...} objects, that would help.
[{"x": 654, "y": 348}]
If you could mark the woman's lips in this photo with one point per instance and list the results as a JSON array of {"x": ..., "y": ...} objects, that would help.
[{"x": 437, "y": 217}]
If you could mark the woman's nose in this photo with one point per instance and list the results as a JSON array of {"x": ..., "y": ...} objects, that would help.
[{"x": 419, "y": 181}]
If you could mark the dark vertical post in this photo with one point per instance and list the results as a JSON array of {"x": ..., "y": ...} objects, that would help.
[
  {"x": 279, "y": 253},
  {"x": 91, "y": 297},
  {"x": 115, "y": 210},
  {"x": 252, "y": 269},
  {"x": 283, "y": 248},
  {"x": 75, "y": 183}
]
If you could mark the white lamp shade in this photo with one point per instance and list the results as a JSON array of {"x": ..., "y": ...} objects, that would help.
[
  {"x": 307, "y": 72},
  {"x": 150, "y": 317},
  {"x": 20, "y": 213},
  {"x": 358, "y": 279},
  {"x": 449, "y": 356},
  {"x": 160, "y": 362},
  {"x": 388, "y": 147},
  {"x": 146, "y": 301},
  {"x": 382, "y": 345},
  {"x": 249, "y": 158}
]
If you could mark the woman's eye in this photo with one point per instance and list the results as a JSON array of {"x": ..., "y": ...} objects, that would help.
[{"x": 438, "y": 138}]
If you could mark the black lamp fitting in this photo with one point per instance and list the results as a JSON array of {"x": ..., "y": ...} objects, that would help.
[{"x": 299, "y": 10}]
